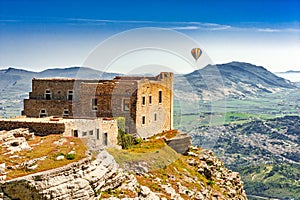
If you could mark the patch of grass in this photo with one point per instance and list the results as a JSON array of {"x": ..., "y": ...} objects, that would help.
[
  {"x": 156, "y": 156},
  {"x": 117, "y": 193},
  {"x": 45, "y": 147},
  {"x": 167, "y": 134}
]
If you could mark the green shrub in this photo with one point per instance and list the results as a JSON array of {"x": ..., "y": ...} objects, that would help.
[
  {"x": 70, "y": 156},
  {"x": 127, "y": 140},
  {"x": 210, "y": 182}
]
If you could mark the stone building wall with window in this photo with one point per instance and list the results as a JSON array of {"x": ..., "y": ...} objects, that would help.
[
  {"x": 52, "y": 97},
  {"x": 100, "y": 131},
  {"x": 146, "y": 103},
  {"x": 154, "y": 108}
]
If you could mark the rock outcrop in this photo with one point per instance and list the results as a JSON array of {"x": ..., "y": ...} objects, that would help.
[
  {"x": 80, "y": 180},
  {"x": 102, "y": 178}
]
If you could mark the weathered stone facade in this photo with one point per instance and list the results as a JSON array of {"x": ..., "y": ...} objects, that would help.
[{"x": 146, "y": 103}]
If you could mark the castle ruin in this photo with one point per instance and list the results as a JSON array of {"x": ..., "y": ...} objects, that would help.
[{"x": 145, "y": 103}]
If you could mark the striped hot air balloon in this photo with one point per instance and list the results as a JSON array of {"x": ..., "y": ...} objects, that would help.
[{"x": 196, "y": 53}]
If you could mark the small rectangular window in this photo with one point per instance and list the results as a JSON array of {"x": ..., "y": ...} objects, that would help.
[
  {"x": 43, "y": 113},
  {"x": 105, "y": 139},
  {"x": 70, "y": 95},
  {"x": 160, "y": 96},
  {"x": 48, "y": 94},
  {"x": 143, "y": 120},
  {"x": 66, "y": 112},
  {"x": 143, "y": 100},
  {"x": 150, "y": 99},
  {"x": 75, "y": 133},
  {"x": 155, "y": 117},
  {"x": 98, "y": 134},
  {"x": 91, "y": 132},
  {"x": 126, "y": 104},
  {"x": 84, "y": 134},
  {"x": 94, "y": 104}
]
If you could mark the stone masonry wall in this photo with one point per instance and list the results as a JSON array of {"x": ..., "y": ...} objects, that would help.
[
  {"x": 101, "y": 132},
  {"x": 158, "y": 116},
  {"x": 58, "y": 87},
  {"x": 39, "y": 128},
  {"x": 32, "y": 107},
  {"x": 59, "y": 101},
  {"x": 110, "y": 101}
]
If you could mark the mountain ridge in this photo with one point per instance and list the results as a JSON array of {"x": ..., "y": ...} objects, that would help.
[{"x": 234, "y": 79}]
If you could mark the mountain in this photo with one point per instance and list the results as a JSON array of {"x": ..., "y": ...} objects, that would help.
[
  {"x": 290, "y": 71},
  {"x": 235, "y": 79},
  {"x": 11, "y": 76},
  {"x": 76, "y": 72},
  {"x": 290, "y": 75},
  {"x": 13, "y": 79}
]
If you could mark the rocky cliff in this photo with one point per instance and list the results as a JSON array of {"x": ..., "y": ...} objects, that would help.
[
  {"x": 196, "y": 175},
  {"x": 102, "y": 178}
]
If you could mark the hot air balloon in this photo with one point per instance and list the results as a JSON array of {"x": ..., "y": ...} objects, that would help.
[{"x": 196, "y": 53}]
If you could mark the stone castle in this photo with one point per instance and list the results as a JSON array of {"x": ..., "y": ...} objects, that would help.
[{"x": 145, "y": 103}]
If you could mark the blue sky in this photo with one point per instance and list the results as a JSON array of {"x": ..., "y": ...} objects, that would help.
[{"x": 38, "y": 34}]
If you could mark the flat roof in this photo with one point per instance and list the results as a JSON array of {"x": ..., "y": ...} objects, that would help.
[{"x": 50, "y": 119}]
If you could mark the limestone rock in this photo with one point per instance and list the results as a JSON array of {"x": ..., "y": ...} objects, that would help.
[
  {"x": 61, "y": 157},
  {"x": 87, "y": 178},
  {"x": 23, "y": 132}
]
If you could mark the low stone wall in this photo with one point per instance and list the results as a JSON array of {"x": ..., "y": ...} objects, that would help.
[
  {"x": 39, "y": 128},
  {"x": 180, "y": 143}
]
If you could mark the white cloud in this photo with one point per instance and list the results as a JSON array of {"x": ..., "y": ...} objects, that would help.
[
  {"x": 185, "y": 28},
  {"x": 269, "y": 30},
  {"x": 175, "y": 25}
]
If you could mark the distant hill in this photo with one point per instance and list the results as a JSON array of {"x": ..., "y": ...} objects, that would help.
[
  {"x": 77, "y": 72},
  {"x": 12, "y": 79},
  {"x": 233, "y": 79},
  {"x": 290, "y": 75}
]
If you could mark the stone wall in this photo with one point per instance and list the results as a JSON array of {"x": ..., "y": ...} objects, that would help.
[
  {"x": 39, "y": 128},
  {"x": 158, "y": 115},
  {"x": 181, "y": 143},
  {"x": 58, "y": 87},
  {"x": 101, "y": 132},
  {"x": 110, "y": 97},
  {"x": 32, "y": 107}
]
